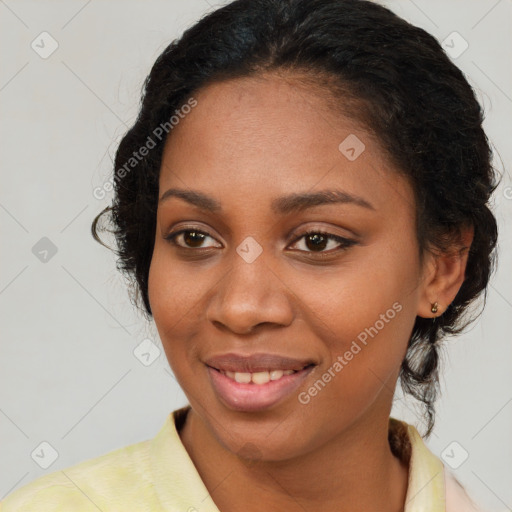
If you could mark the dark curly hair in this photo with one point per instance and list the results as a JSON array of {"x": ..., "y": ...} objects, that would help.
[{"x": 401, "y": 86}]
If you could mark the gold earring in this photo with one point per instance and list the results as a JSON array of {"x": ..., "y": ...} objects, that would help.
[{"x": 434, "y": 307}]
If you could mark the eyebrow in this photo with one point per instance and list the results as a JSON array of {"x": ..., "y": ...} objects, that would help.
[{"x": 281, "y": 205}]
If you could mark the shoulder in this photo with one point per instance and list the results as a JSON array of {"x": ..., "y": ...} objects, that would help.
[
  {"x": 457, "y": 499},
  {"x": 95, "y": 484},
  {"x": 432, "y": 486}
]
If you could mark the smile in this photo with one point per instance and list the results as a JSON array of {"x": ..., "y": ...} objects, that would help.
[
  {"x": 250, "y": 392},
  {"x": 257, "y": 378}
]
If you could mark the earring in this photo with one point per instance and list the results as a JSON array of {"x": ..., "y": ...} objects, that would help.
[{"x": 434, "y": 307}]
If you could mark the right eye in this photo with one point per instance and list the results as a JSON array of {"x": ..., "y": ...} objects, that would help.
[{"x": 191, "y": 238}]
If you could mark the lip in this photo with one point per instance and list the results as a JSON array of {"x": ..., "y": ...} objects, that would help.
[
  {"x": 255, "y": 397},
  {"x": 252, "y": 363}
]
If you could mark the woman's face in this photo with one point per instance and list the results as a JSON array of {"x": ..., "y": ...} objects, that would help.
[{"x": 244, "y": 279}]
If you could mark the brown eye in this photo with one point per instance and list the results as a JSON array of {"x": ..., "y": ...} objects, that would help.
[
  {"x": 192, "y": 238},
  {"x": 318, "y": 241}
]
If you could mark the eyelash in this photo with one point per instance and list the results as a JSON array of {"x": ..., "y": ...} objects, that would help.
[{"x": 344, "y": 242}]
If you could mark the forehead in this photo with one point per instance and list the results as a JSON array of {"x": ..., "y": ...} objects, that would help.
[{"x": 267, "y": 136}]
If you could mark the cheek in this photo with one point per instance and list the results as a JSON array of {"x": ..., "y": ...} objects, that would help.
[
  {"x": 374, "y": 288},
  {"x": 172, "y": 302},
  {"x": 177, "y": 301},
  {"x": 173, "y": 292},
  {"x": 364, "y": 315}
]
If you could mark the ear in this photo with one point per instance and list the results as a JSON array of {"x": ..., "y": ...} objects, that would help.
[{"x": 443, "y": 275}]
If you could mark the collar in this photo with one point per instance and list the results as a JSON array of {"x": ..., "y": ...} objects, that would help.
[
  {"x": 426, "y": 484},
  {"x": 179, "y": 486}
]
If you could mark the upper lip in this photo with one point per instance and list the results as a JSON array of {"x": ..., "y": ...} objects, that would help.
[{"x": 252, "y": 363}]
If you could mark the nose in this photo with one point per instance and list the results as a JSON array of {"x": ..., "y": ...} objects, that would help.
[{"x": 249, "y": 296}]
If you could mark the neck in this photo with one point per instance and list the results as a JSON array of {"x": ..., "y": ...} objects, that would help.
[{"x": 354, "y": 471}]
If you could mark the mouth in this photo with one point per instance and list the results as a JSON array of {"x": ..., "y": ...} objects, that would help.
[{"x": 256, "y": 391}]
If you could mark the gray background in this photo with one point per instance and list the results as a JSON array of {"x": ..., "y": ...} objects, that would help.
[{"x": 68, "y": 373}]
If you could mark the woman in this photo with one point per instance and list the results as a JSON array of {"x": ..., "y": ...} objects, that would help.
[{"x": 302, "y": 204}]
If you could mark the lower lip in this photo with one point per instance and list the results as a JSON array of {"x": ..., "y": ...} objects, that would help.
[{"x": 255, "y": 397}]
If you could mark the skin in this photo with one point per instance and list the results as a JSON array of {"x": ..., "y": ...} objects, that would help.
[{"x": 247, "y": 142}]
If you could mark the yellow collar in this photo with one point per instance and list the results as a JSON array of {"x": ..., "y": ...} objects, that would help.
[{"x": 179, "y": 485}]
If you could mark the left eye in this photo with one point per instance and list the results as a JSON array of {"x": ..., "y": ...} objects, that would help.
[{"x": 318, "y": 241}]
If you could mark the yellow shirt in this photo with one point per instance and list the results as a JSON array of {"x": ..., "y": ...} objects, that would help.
[{"x": 158, "y": 475}]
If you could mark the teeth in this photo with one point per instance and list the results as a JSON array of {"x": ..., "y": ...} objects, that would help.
[
  {"x": 260, "y": 377},
  {"x": 245, "y": 378},
  {"x": 257, "y": 377},
  {"x": 276, "y": 374}
]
